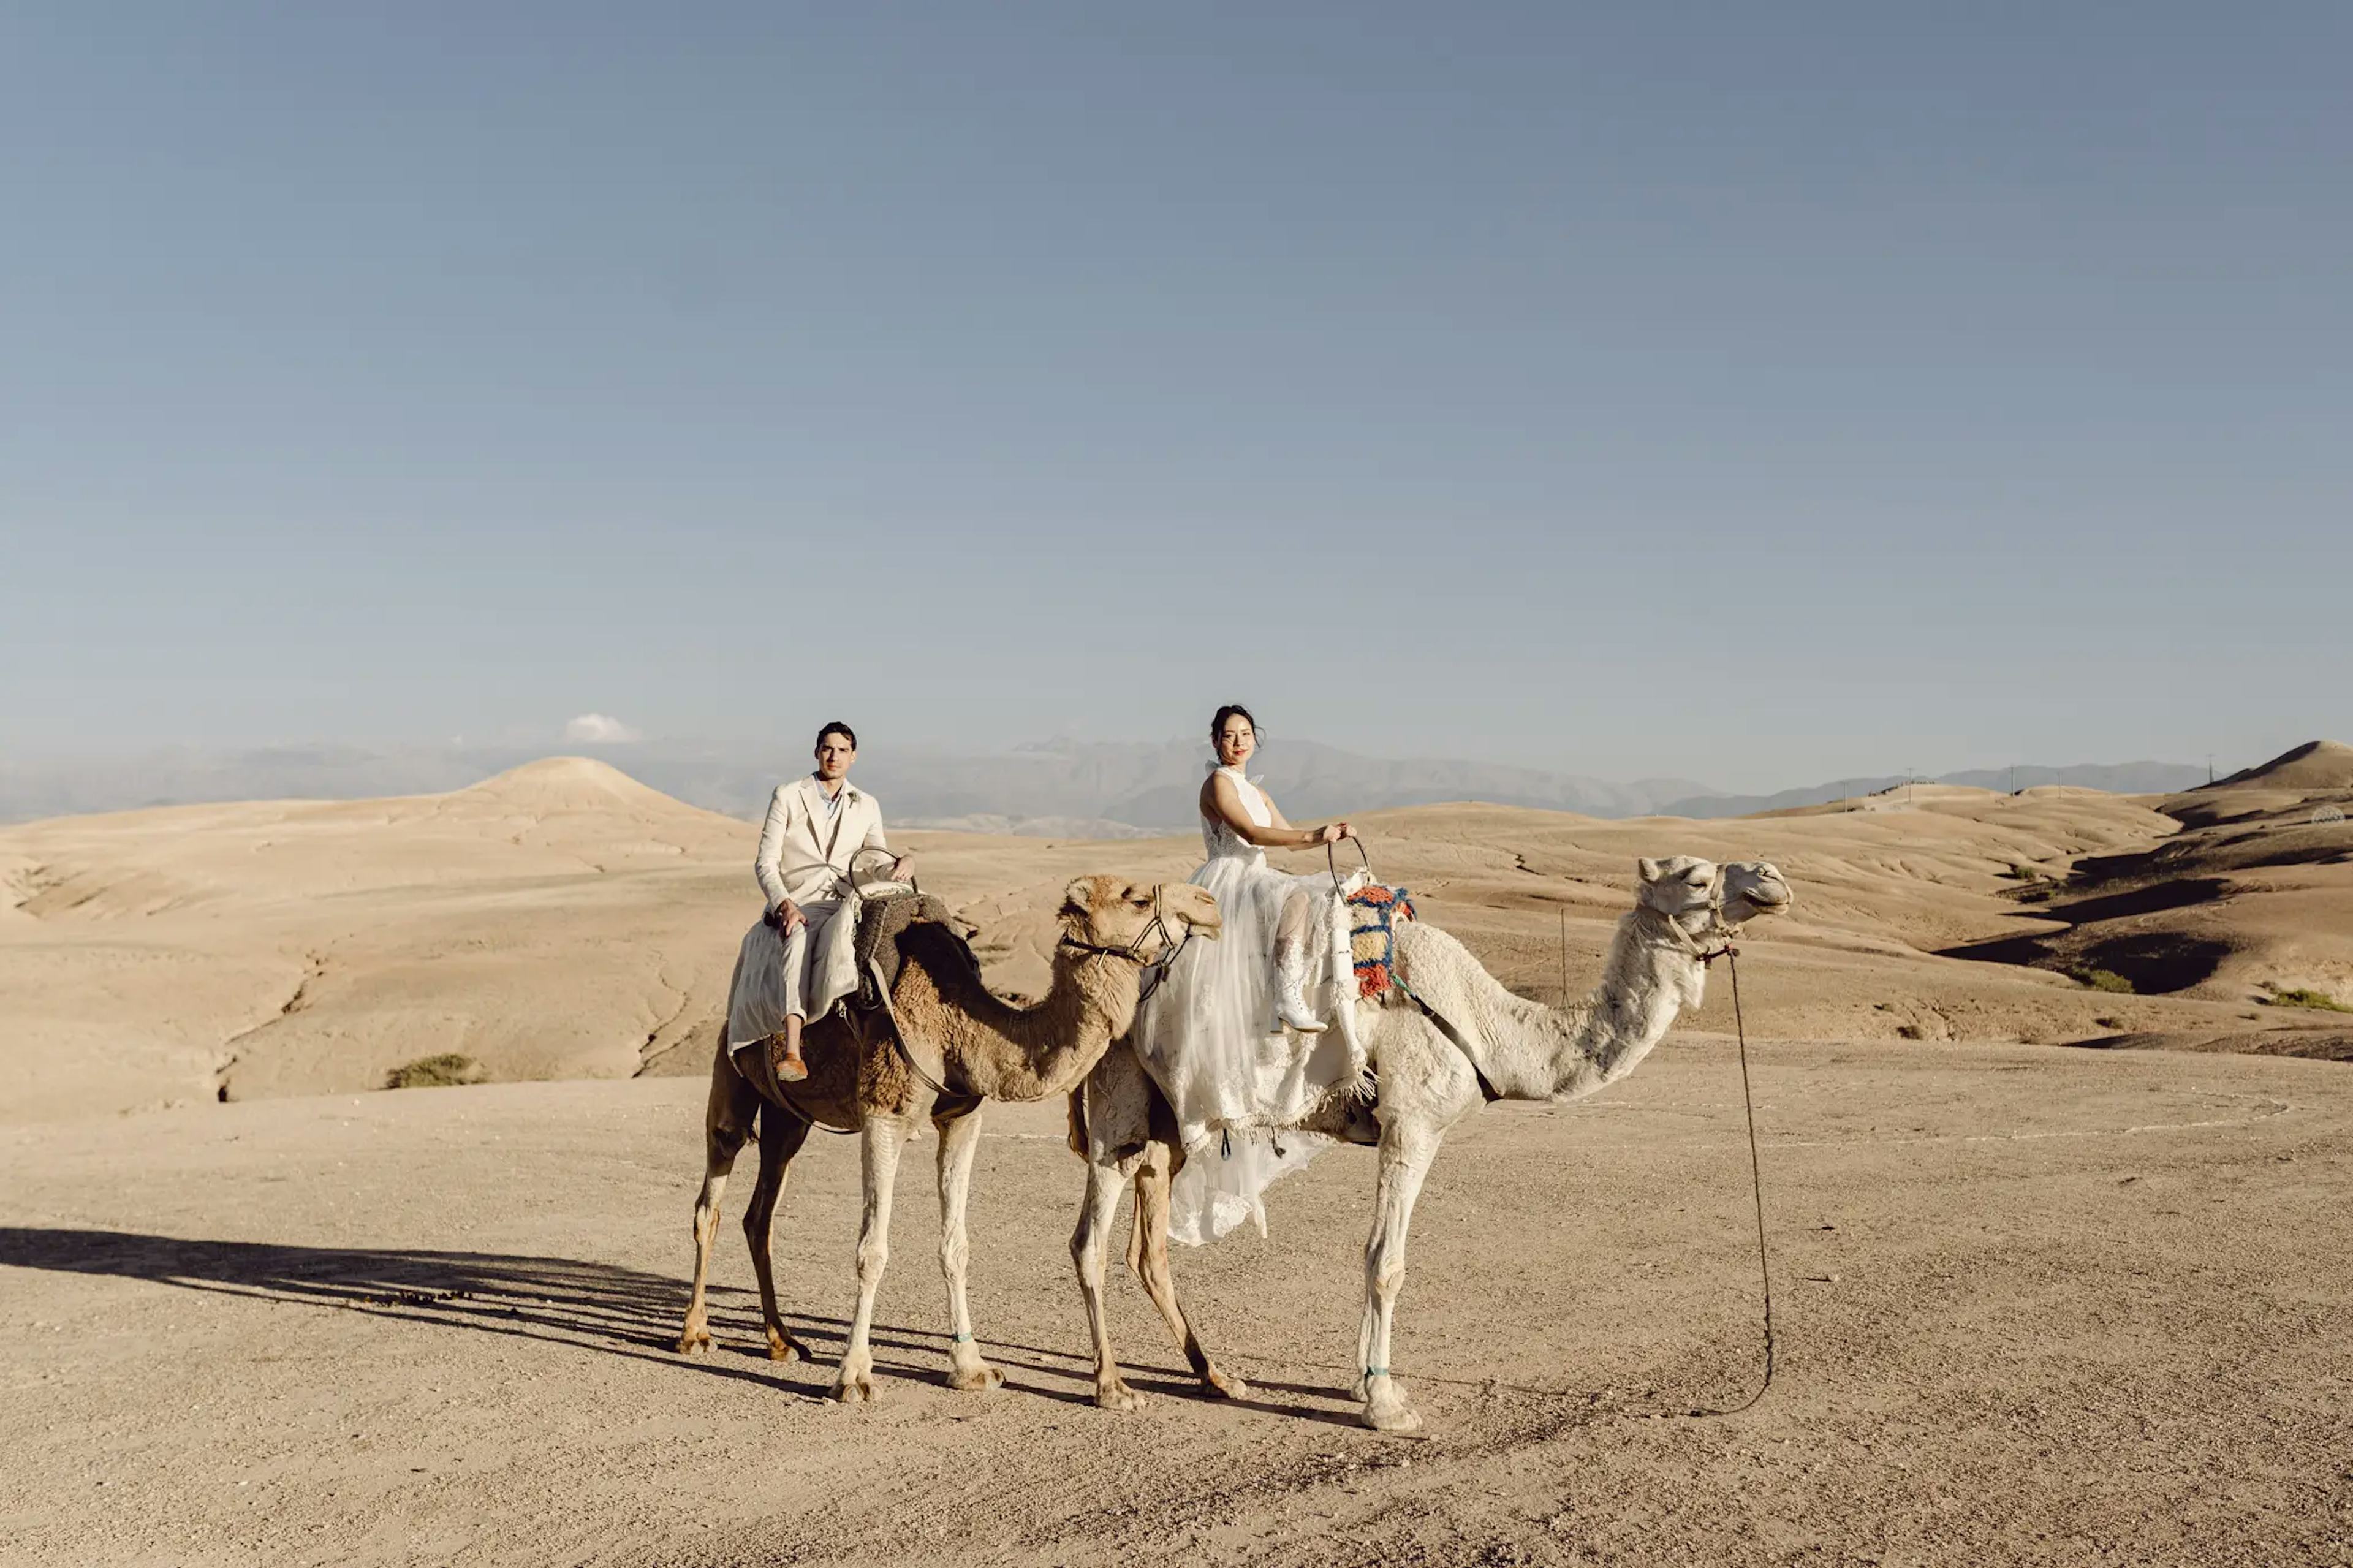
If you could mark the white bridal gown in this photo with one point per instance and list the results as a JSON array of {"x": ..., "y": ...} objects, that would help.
[{"x": 1208, "y": 1036}]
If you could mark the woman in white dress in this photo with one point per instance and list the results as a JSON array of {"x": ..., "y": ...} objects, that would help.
[{"x": 1213, "y": 1032}]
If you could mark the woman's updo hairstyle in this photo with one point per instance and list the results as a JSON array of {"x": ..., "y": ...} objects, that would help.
[{"x": 1230, "y": 711}]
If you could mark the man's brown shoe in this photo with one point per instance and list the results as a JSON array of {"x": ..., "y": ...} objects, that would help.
[{"x": 785, "y": 1059}]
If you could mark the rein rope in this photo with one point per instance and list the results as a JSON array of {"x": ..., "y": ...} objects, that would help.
[{"x": 1332, "y": 862}]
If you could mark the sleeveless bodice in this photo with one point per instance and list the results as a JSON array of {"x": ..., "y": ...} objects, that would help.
[{"x": 1220, "y": 841}]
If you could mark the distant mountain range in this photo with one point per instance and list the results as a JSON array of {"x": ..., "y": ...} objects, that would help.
[
  {"x": 1057, "y": 789},
  {"x": 2118, "y": 778}
]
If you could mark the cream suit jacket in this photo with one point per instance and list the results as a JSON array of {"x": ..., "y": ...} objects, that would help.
[{"x": 805, "y": 852}]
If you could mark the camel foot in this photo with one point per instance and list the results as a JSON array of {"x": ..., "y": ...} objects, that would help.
[
  {"x": 975, "y": 1379},
  {"x": 695, "y": 1340},
  {"x": 1226, "y": 1383},
  {"x": 857, "y": 1390},
  {"x": 784, "y": 1347},
  {"x": 1117, "y": 1396},
  {"x": 1387, "y": 1409}
]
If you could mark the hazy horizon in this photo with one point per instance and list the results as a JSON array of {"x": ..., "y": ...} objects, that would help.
[
  {"x": 612, "y": 738},
  {"x": 790, "y": 749},
  {"x": 1053, "y": 786}
]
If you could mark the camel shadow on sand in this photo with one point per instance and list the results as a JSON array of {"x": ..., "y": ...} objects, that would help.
[{"x": 569, "y": 1301}]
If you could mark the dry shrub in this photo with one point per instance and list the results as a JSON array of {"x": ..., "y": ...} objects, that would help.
[
  {"x": 444, "y": 1070},
  {"x": 2302, "y": 997}
]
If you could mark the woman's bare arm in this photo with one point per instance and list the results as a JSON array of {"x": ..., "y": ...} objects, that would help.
[
  {"x": 1331, "y": 835},
  {"x": 1222, "y": 801}
]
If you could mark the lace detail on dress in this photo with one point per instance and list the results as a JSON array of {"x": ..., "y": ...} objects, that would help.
[{"x": 1217, "y": 835}]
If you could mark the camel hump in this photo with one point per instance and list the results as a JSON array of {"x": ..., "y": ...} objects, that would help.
[{"x": 909, "y": 927}]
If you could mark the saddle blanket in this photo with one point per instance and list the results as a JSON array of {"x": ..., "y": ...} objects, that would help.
[{"x": 1373, "y": 913}]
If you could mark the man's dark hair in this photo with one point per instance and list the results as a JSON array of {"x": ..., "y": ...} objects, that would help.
[{"x": 840, "y": 729}]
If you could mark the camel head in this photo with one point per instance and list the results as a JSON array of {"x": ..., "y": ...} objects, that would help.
[
  {"x": 1753, "y": 888},
  {"x": 1681, "y": 886},
  {"x": 1145, "y": 917}
]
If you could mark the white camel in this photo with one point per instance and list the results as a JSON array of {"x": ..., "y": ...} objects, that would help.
[{"x": 1431, "y": 1075}]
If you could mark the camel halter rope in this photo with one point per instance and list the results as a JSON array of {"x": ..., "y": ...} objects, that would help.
[
  {"x": 1731, "y": 956},
  {"x": 1170, "y": 945},
  {"x": 1153, "y": 969}
]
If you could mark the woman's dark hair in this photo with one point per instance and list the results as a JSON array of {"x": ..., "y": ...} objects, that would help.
[
  {"x": 840, "y": 729},
  {"x": 1230, "y": 711}
]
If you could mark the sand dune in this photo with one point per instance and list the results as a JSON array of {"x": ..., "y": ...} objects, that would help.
[
  {"x": 551, "y": 921},
  {"x": 2250, "y": 903},
  {"x": 2315, "y": 765},
  {"x": 563, "y": 921}
]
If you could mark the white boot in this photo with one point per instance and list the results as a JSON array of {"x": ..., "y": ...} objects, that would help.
[{"x": 1290, "y": 1003}]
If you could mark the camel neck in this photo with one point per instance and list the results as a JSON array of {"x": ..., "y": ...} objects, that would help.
[
  {"x": 1651, "y": 973},
  {"x": 1530, "y": 1051},
  {"x": 1005, "y": 1052}
]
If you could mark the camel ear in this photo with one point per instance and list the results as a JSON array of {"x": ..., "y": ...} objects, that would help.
[
  {"x": 1649, "y": 870},
  {"x": 1075, "y": 897}
]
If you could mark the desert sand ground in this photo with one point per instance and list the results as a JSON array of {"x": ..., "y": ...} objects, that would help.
[
  {"x": 2038, "y": 1303},
  {"x": 2036, "y": 1306}
]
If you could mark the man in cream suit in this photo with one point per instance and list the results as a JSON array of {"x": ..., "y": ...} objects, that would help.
[{"x": 815, "y": 826}]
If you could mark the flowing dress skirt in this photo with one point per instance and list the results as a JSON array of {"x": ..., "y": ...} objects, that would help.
[{"x": 1208, "y": 1037}]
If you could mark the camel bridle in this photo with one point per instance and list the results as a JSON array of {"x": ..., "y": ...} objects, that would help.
[{"x": 1134, "y": 953}]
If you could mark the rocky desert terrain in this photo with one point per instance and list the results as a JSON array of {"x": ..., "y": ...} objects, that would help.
[{"x": 2051, "y": 1093}]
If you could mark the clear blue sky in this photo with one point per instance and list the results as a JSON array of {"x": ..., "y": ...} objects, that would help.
[{"x": 1753, "y": 392}]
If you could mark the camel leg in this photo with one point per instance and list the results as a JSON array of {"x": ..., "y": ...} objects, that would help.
[
  {"x": 1405, "y": 1161},
  {"x": 726, "y": 1123},
  {"x": 1105, "y": 1182},
  {"x": 879, "y": 1139},
  {"x": 959, "y": 1141},
  {"x": 781, "y": 1136},
  {"x": 1147, "y": 1259}
]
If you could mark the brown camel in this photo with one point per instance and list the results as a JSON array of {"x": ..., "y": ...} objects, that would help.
[{"x": 975, "y": 1045}]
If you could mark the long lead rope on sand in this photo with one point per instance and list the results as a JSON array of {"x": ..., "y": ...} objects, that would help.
[{"x": 1731, "y": 955}]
